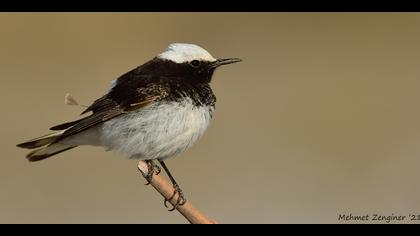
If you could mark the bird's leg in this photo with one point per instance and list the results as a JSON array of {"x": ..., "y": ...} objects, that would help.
[
  {"x": 177, "y": 190},
  {"x": 181, "y": 198},
  {"x": 152, "y": 168}
]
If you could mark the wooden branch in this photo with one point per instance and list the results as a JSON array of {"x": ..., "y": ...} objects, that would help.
[{"x": 166, "y": 189}]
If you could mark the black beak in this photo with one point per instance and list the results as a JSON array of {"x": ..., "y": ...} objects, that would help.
[{"x": 221, "y": 62}]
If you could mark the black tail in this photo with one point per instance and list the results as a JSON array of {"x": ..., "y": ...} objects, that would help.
[
  {"x": 47, "y": 146},
  {"x": 41, "y": 141},
  {"x": 45, "y": 152}
]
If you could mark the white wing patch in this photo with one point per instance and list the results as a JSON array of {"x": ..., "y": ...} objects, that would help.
[{"x": 113, "y": 83}]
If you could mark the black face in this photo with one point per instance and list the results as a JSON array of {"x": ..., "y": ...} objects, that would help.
[
  {"x": 200, "y": 71},
  {"x": 194, "y": 72}
]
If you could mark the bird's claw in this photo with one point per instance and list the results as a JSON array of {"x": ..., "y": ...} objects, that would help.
[
  {"x": 152, "y": 169},
  {"x": 179, "y": 202}
]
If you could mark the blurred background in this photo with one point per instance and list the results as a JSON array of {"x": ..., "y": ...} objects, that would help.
[{"x": 321, "y": 118}]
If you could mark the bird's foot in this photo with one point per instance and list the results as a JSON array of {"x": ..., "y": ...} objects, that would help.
[
  {"x": 179, "y": 202},
  {"x": 152, "y": 169}
]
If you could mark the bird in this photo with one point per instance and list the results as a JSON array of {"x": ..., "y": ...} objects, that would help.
[{"x": 152, "y": 112}]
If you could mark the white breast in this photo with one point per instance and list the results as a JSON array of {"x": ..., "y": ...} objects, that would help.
[{"x": 158, "y": 131}]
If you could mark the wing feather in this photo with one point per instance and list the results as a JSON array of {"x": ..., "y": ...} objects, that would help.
[{"x": 107, "y": 108}]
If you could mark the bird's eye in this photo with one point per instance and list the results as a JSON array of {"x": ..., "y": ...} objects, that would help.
[{"x": 195, "y": 63}]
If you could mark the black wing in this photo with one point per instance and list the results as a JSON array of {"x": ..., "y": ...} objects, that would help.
[
  {"x": 132, "y": 91},
  {"x": 102, "y": 104}
]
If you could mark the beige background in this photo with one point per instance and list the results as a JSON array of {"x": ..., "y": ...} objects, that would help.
[{"x": 322, "y": 117}]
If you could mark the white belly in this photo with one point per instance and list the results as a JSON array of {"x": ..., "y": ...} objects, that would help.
[{"x": 158, "y": 131}]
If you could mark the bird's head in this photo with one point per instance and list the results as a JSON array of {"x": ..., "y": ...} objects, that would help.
[{"x": 191, "y": 62}]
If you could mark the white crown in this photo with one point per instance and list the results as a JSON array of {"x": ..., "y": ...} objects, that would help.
[{"x": 183, "y": 52}]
